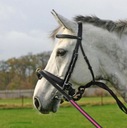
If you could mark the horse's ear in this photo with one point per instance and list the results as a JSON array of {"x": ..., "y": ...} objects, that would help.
[{"x": 64, "y": 21}]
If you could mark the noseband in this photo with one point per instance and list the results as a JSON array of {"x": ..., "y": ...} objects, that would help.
[{"x": 64, "y": 85}]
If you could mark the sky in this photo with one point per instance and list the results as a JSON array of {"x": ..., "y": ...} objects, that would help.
[{"x": 25, "y": 25}]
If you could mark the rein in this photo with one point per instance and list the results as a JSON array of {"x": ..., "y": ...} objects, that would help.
[
  {"x": 46, "y": 75},
  {"x": 63, "y": 85}
]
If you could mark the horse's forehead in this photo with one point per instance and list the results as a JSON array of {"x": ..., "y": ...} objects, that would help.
[{"x": 64, "y": 43}]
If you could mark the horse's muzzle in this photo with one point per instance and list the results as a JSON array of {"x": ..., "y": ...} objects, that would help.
[
  {"x": 39, "y": 106},
  {"x": 52, "y": 107}
]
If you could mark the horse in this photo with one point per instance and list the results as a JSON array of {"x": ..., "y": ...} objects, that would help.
[{"x": 105, "y": 45}]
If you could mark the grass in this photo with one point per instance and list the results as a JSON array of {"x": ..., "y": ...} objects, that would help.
[
  {"x": 16, "y": 103},
  {"x": 108, "y": 116}
]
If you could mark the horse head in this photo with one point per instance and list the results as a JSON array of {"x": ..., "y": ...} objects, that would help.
[
  {"x": 101, "y": 46},
  {"x": 45, "y": 94}
]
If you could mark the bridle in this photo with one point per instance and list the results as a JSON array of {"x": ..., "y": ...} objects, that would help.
[
  {"x": 63, "y": 85},
  {"x": 74, "y": 57}
]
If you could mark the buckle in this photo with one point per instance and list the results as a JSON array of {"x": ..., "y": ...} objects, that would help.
[{"x": 69, "y": 89}]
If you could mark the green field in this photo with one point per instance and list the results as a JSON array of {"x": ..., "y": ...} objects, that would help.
[{"x": 108, "y": 116}]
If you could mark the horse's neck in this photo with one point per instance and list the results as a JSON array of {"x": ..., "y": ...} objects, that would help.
[
  {"x": 117, "y": 51},
  {"x": 109, "y": 44},
  {"x": 109, "y": 50}
]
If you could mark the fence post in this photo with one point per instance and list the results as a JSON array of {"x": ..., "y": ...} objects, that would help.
[{"x": 22, "y": 100}]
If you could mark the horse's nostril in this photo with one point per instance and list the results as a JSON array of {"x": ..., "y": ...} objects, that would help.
[{"x": 37, "y": 103}]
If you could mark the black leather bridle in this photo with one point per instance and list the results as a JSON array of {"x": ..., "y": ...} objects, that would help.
[{"x": 64, "y": 85}]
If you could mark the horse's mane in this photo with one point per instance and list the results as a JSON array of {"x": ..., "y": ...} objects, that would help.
[{"x": 119, "y": 27}]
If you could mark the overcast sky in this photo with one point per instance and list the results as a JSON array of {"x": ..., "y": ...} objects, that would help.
[{"x": 25, "y": 24}]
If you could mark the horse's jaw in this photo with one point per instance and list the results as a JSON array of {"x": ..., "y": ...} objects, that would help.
[{"x": 46, "y": 101}]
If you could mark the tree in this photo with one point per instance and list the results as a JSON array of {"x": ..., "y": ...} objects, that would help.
[{"x": 19, "y": 73}]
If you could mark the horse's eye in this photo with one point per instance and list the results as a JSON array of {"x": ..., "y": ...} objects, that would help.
[{"x": 61, "y": 52}]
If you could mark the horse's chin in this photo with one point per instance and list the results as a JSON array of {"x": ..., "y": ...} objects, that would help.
[{"x": 56, "y": 105}]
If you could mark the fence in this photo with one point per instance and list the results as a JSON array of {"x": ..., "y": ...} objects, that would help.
[
  {"x": 12, "y": 94},
  {"x": 23, "y": 98}
]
